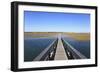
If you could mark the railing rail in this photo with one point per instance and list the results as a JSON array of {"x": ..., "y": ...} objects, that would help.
[
  {"x": 72, "y": 51},
  {"x": 45, "y": 54}
]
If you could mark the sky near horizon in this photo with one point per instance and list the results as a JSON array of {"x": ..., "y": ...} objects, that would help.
[{"x": 56, "y": 22}]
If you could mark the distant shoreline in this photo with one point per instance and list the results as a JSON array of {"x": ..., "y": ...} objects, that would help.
[{"x": 74, "y": 35}]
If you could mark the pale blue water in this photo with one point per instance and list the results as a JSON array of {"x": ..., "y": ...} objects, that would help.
[
  {"x": 34, "y": 46},
  {"x": 82, "y": 46}
]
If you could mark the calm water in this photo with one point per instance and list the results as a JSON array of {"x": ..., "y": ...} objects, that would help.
[
  {"x": 34, "y": 46},
  {"x": 82, "y": 46}
]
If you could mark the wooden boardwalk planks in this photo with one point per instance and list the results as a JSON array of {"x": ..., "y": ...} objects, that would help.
[{"x": 60, "y": 52}]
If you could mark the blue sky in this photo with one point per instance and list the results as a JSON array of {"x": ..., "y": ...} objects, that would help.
[{"x": 56, "y": 22}]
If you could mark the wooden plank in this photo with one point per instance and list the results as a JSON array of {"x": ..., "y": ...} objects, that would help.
[{"x": 60, "y": 52}]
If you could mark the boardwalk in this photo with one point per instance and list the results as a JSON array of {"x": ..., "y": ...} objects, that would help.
[{"x": 60, "y": 52}]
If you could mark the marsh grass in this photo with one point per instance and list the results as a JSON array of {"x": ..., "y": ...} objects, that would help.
[
  {"x": 76, "y": 36},
  {"x": 79, "y": 36}
]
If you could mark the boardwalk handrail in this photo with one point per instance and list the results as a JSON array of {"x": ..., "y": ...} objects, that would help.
[
  {"x": 75, "y": 52},
  {"x": 44, "y": 51}
]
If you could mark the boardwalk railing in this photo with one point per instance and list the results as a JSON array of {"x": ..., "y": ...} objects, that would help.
[
  {"x": 48, "y": 53},
  {"x": 71, "y": 52}
]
